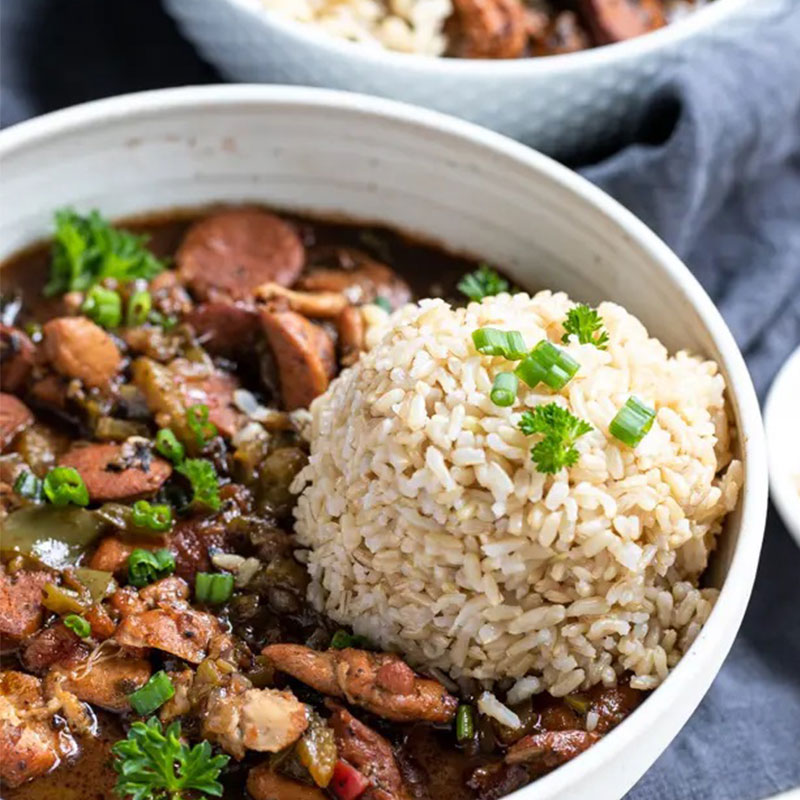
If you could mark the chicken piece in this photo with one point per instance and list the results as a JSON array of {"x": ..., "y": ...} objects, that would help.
[
  {"x": 615, "y": 20},
  {"x": 490, "y": 28},
  {"x": 263, "y": 783},
  {"x": 612, "y": 704},
  {"x": 226, "y": 329},
  {"x": 358, "y": 277},
  {"x": 113, "y": 552},
  {"x": 102, "y": 625},
  {"x": 169, "y": 295},
  {"x": 56, "y": 644},
  {"x": 17, "y": 357},
  {"x": 50, "y": 392},
  {"x": 553, "y": 35},
  {"x": 180, "y": 703},
  {"x": 380, "y": 682},
  {"x": 15, "y": 417},
  {"x": 241, "y": 719},
  {"x": 173, "y": 627},
  {"x": 107, "y": 682},
  {"x": 118, "y": 471},
  {"x": 350, "y": 326},
  {"x": 226, "y": 255},
  {"x": 168, "y": 590},
  {"x": 317, "y": 305},
  {"x": 550, "y": 749},
  {"x": 495, "y": 780},
  {"x": 304, "y": 354},
  {"x": 30, "y": 744},
  {"x": 369, "y": 753},
  {"x": 20, "y": 605},
  {"x": 77, "y": 348}
]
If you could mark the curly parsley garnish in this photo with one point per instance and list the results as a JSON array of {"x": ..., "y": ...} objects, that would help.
[
  {"x": 559, "y": 430},
  {"x": 587, "y": 325},
  {"x": 203, "y": 478},
  {"x": 484, "y": 282},
  {"x": 87, "y": 249},
  {"x": 156, "y": 765}
]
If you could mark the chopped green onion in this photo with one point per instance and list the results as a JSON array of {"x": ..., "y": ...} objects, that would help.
[
  {"x": 548, "y": 364},
  {"x": 153, "y": 694},
  {"x": 465, "y": 723},
  {"x": 165, "y": 321},
  {"x": 197, "y": 420},
  {"x": 78, "y": 625},
  {"x": 504, "y": 389},
  {"x": 212, "y": 588},
  {"x": 139, "y": 307},
  {"x": 64, "y": 485},
  {"x": 203, "y": 478},
  {"x": 156, "y": 518},
  {"x": 383, "y": 303},
  {"x": 493, "y": 342},
  {"x": 28, "y": 485},
  {"x": 168, "y": 445},
  {"x": 147, "y": 566},
  {"x": 632, "y": 422},
  {"x": 578, "y": 702},
  {"x": 103, "y": 306},
  {"x": 484, "y": 282},
  {"x": 342, "y": 639}
]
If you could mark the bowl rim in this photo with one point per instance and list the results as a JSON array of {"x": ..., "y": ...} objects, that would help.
[
  {"x": 716, "y": 637},
  {"x": 701, "y": 19}
]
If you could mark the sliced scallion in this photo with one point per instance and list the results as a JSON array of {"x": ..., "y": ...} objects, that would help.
[
  {"x": 153, "y": 694},
  {"x": 504, "y": 389},
  {"x": 465, "y": 723},
  {"x": 28, "y": 485},
  {"x": 494, "y": 342},
  {"x": 64, "y": 485},
  {"x": 168, "y": 445},
  {"x": 103, "y": 306},
  {"x": 547, "y": 364},
  {"x": 148, "y": 566},
  {"x": 212, "y": 588},
  {"x": 154, "y": 517},
  {"x": 78, "y": 625},
  {"x": 632, "y": 422},
  {"x": 139, "y": 307}
]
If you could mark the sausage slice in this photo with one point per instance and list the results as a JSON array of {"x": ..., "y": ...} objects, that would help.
[
  {"x": 225, "y": 329},
  {"x": 77, "y": 348},
  {"x": 304, "y": 354},
  {"x": 16, "y": 358},
  {"x": 615, "y": 20},
  {"x": 21, "y": 606},
  {"x": 14, "y": 418},
  {"x": 230, "y": 253},
  {"x": 117, "y": 471}
]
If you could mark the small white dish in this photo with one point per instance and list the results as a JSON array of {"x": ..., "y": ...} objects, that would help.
[{"x": 782, "y": 422}]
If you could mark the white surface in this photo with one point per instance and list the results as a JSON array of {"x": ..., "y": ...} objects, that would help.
[
  {"x": 449, "y": 181},
  {"x": 559, "y": 104},
  {"x": 782, "y": 422}
]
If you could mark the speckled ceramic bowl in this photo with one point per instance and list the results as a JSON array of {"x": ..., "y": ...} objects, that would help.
[
  {"x": 559, "y": 104},
  {"x": 447, "y": 181}
]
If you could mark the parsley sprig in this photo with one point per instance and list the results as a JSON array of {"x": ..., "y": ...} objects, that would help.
[
  {"x": 559, "y": 430},
  {"x": 585, "y": 323},
  {"x": 87, "y": 249},
  {"x": 154, "y": 764},
  {"x": 484, "y": 282}
]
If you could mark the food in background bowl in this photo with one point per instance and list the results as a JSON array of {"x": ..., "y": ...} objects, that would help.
[
  {"x": 485, "y": 28},
  {"x": 520, "y": 471}
]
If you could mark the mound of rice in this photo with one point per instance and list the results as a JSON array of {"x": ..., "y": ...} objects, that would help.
[{"x": 431, "y": 532}]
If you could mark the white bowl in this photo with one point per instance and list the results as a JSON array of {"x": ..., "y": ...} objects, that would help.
[
  {"x": 448, "y": 181},
  {"x": 782, "y": 423},
  {"x": 559, "y": 104}
]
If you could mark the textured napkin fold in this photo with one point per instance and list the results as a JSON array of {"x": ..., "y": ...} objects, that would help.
[{"x": 714, "y": 169}]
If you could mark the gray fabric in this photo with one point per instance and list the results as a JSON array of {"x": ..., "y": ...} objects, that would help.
[{"x": 714, "y": 168}]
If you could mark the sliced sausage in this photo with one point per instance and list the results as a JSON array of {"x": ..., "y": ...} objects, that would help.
[
  {"x": 263, "y": 783},
  {"x": 17, "y": 354},
  {"x": 14, "y": 418},
  {"x": 110, "y": 472},
  {"x": 490, "y": 28},
  {"x": 225, "y": 329},
  {"x": 230, "y": 253},
  {"x": 616, "y": 20},
  {"x": 213, "y": 389},
  {"x": 77, "y": 348},
  {"x": 21, "y": 604},
  {"x": 360, "y": 278},
  {"x": 304, "y": 354}
]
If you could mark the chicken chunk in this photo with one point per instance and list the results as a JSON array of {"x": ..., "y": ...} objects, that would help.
[
  {"x": 304, "y": 354},
  {"x": 380, "y": 682},
  {"x": 550, "y": 749},
  {"x": 15, "y": 417},
  {"x": 490, "y": 28},
  {"x": 226, "y": 255},
  {"x": 263, "y": 783},
  {"x": 56, "y": 644},
  {"x": 77, "y": 348},
  {"x": 116, "y": 471},
  {"x": 29, "y": 743},
  {"x": 369, "y": 753},
  {"x": 20, "y": 604},
  {"x": 317, "y": 305},
  {"x": 616, "y": 20},
  {"x": 17, "y": 357},
  {"x": 107, "y": 682}
]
